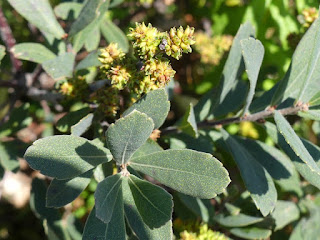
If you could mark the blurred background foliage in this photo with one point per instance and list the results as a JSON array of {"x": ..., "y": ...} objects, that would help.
[{"x": 280, "y": 25}]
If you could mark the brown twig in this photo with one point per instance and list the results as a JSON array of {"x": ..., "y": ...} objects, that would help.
[
  {"x": 9, "y": 41},
  {"x": 248, "y": 118}
]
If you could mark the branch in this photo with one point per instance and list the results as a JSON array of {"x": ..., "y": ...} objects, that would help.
[
  {"x": 259, "y": 116},
  {"x": 9, "y": 41}
]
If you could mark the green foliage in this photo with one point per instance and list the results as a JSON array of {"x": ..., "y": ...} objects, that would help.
[{"x": 220, "y": 160}]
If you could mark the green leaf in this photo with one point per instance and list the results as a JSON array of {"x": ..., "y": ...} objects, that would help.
[
  {"x": 251, "y": 233},
  {"x": 278, "y": 165},
  {"x": 40, "y": 14},
  {"x": 74, "y": 227},
  {"x": 257, "y": 180},
  {"x": 68, "y": 10},
  {"x": 127, "y": 134},
  {"x": 62, "y": 192},
  {"x": 148, "y": 147},
  {"x": 239, "y": 220},
  {"x": 310, "y": 224},
  {"x": 51, "y": 217},
  {"x": 2, "y": 52},
  {"x": 253, "y": 52},
  {"x": 181, "y": 141},
  {"x": 115, "y": 3},
  {"x": 315, "y": 100},
  {"x": 153, "y": 202},
  {"x": 89, "y": 61},
  {"x": 64, "y": 156},
  {"x": 60, "y": 67},
  {"x": 295, "y": 142},
  {"x": 94, "y": 228},
  {"x": 92, "y": 11},
  {"x": 135, "y": 220},
  {"x": 112, "y": 33},
  {"x": 10, "y": 152},
  {"x": 200, "y": 207},
  {"x": 93, "y": 40},
  {"x": 33, "y": 52},
  {"x": 230, "y": 79},
  {"x": 105, "y": 197},
  {"x": 116, "y": 229},
  {"x": 262, "y": 102},
  {"x": 233, "y": 68},
  {"x": 310, "y": 114},
  {"x": 301, "y": 81},
  {"x": 102, "y": 171},
  {"x": 19, "y": 119},
  {"x": 155, "y": 104},
  {"x": 194, "y": 173},
  {"x": 82, "y": 126},
  {"x": 188, "y": 123},
  {"x": 284, "y": 213},
  {"x": 71, "y": 118},
  {"x": 300, "y": 165}
]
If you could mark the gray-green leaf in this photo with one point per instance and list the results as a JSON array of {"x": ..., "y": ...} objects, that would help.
[
  {"x": 89, "y": 61},
  {"x": 65, "y": 157},
  {"x": 302, "y": 80},
  {"x": 106, "y": 195},
  {"x": 82, "y": 126},
  {"x": 251, "y": 233},
  {"x": 90, "y": 12},
  {"x": 60, "y": 67},
  {"x": 127, "y": 134},
  {"x": 94, "y": 227},
  {"x": 71, "y": 118},
  {"x": 153, "y": 202},
  {"x": 68, "y": 10},
  {"x": 295, "y": 142},
  {"x": 40, "y": 14},
  {"x": 190, "y": 172},
  {"x": 34, "y": 52},
  {"x": 257, "y": 180},
  {"x": 135, "y": 220},
  {"x": 62, "y": 192},
  {"x": 303, "y": 169},
  {"x": 284, "y": 213},
  {"x": 188, "y": 123},
  {"x": 239, "y": 220},
  {"x": 253, "y": 52},
  {"x": 112, "y": 33},
  {"x": 155, "y": 104}
]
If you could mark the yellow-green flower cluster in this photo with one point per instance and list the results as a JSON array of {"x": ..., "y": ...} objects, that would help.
[
  {"x": 178, "y": 41},
  {"x": 309, "y": 15},
  {"x": 148, "y": 69},
  {"x": 212, "y": 49},
  {"x": 204, "y": 234},
  {"x": 111, "y": 55},
  {"x": 149, "y": 42},
  {"x": 74, "y": 87},
  {"x": 145, "y": 39}
]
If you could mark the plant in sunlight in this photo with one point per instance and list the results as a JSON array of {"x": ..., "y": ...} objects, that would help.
[{"x": 157, "y": 169}]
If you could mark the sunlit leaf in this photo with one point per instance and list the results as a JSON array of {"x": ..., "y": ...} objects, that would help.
[
  {"x": 127, "y": 134},
  {"x": 155, "y": 104},
  {"x": 40, "y": 14},
  {"x": 253, "y": 52},
  {"x": 33, "y": 52},
  {"x": 190, "y": 172},
  {"x": 64, "y": 156}
]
